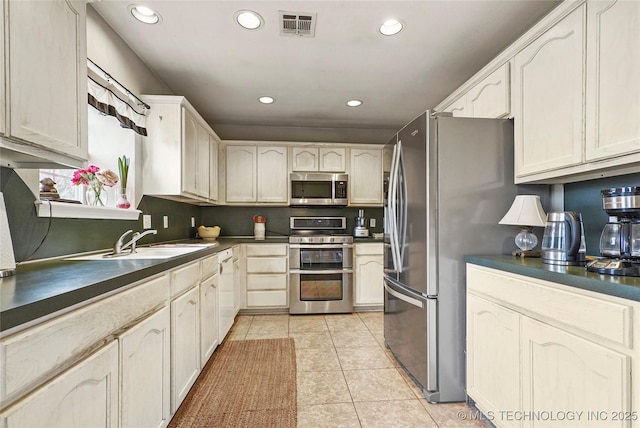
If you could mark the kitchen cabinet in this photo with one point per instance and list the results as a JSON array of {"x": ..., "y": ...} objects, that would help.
[
  {"x": 178, "y": 133},
  {"x": 323, "y": 159},
  {"x": 86, "y": 395},
  {"x": 489, "y": 98},
  {"x": 534, "y": 346},
  {"x": 613, "y": 87},
  {"x": 267, "y": 275},
  {"x": 548, "y": 94},
  {"x": 185, "y": 331},
  {"x": 44, "y": 101},
  {"x": 185, "y": 345},
  {"x": 256, "y": 174},
  {"x": 144, "y": 372},
  {"x": 208, "y": 308},
  {"x": 239, "y": 287},
  {"x": 365, "y": 177},
  {"x": 226, "y": 293},
  {"x": 368, "y": 277}
]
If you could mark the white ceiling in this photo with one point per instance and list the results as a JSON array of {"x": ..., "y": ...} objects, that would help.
[{"x": 200, "y": 52}]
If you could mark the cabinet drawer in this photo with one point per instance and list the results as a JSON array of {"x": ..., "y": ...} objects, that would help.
[
  {"x": 547, "y": 302},
  {"x": 184, "y": 278},
  {"x": 31, "y": 356},
  {"x": 266, "y": 265},
  {"x": 258, "y": 250},
  {"x": 267, "y": 282},
  {"x": 208, "y": 267},
  {"x": 267, "y": 298},
  {"x": 373, "y": 248}
]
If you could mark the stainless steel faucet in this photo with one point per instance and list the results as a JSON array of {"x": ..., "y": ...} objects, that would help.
[{"x": 119, "y": 246}]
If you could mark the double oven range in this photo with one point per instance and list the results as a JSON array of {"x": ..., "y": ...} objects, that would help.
[{"x": 320, "y": 266}]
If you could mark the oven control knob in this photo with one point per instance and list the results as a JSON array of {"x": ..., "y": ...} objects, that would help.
[{"x": 331, "y": 239}]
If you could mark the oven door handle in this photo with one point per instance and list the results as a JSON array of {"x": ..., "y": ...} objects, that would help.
[
  {"x": 316, "y": 246},
  {"x": 319, "y": 272}
]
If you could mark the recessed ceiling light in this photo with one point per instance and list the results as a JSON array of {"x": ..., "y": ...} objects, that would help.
[
  {"x": 266, "y": 100},
  {"x": 144, "y": 14},
  {"x": 391, "y": 27},
  {"x": 249, "y": 19},
  {"x": 354, "y": 103}
]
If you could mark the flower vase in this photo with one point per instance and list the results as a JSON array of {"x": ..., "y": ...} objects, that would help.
[
  {"x": 122, "y": 199},
  {"x": 96, "y": 195}
]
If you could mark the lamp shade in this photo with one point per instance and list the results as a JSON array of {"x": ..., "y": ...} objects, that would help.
[{"x": 526, "y": 210}]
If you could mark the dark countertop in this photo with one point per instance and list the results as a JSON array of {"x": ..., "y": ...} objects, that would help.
[
  {"x": 626, "y": 287},
  {"x": 42, "y": 288}
]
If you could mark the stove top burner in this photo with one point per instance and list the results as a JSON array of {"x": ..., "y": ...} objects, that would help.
[{"x": 622, "y": 267}]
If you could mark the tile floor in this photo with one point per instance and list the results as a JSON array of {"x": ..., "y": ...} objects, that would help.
[{"x": 346, "y": 377}]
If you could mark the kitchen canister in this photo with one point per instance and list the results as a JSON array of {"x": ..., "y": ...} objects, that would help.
[{"x": 259, "y": 227}]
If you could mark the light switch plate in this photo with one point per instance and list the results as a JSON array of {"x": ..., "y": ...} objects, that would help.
[
  {"x": 193, "y": 222},
  {"x": 146, "y": 221},
  {"x": 165, "y": 221},
  {"x": 372, "y": 222}
]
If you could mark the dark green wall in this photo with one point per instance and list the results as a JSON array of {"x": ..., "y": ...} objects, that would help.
[
  {"x": 585, "y": 197},
  {"x": 35, "y": 238}
]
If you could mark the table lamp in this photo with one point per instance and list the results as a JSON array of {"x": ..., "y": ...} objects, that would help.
[{"x": 526, "y": 212}]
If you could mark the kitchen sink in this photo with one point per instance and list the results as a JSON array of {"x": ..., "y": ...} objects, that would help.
[{"x": 159, "y": 251}]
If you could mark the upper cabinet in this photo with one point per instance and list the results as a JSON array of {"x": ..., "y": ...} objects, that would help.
[
  {"x": 179, "y": 155},
  {"x": 324, "y": 159},
  {"x": 256, "y": 174},
  {"x": 548, "y": 90},
  {"x": 365, "y": 177},
  {"x": 490, "y": 98},
  {"x": 613, "y": 83},
  {"x": 44, "y": 106}
]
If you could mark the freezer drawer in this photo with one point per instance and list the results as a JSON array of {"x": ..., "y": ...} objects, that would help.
[{"x": 410, "y": 333}]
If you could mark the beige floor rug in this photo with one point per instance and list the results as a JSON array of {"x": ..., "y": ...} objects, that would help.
[{"x": 246, "y": 383}]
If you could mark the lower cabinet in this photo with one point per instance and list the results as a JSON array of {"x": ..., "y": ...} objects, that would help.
[
  {"x": 185, "y": 345},
  {"x": 267, "y": 278},
  {"x": 86, "y": 395},
  {"x": 540, "y": 348},
  {"x": 367, "y": 266},
  {"x": 208, "y": 318},
  {"x": 144, "y": 372}
]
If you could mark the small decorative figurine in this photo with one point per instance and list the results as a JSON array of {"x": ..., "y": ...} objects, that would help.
[{"x": 48, "y": 189}]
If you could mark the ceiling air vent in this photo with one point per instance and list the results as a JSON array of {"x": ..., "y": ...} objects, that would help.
[{"x": 297, "y": 24}]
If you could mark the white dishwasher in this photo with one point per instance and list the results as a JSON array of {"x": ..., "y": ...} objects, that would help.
[{"x": 226, "y": 309}]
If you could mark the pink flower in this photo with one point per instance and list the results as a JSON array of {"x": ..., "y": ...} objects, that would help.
[{"x": 92, "y": 169}]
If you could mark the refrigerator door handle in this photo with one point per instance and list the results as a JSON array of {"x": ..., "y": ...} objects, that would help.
[
  {"x": 393, "y": 206},
  {"x": 403, "y": 297}
]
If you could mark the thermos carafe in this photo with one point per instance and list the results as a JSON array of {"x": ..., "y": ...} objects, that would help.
[{"x": 563, "y": 239}]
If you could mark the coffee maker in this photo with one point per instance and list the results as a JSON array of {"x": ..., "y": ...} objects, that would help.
[
  {"x": 361, "y": 231},
  {"x": 620, "y": 238}
]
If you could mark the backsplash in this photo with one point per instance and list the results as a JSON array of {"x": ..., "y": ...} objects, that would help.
[{"x": 585, "y": 197}]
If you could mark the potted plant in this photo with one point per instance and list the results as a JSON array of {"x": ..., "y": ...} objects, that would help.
[{"x": 123, "y": 168}]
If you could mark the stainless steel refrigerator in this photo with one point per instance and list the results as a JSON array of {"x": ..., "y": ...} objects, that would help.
[{"x": 450, "y": 183}]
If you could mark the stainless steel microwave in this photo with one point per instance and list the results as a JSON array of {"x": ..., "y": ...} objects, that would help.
[{"x": 318, "y": 188}]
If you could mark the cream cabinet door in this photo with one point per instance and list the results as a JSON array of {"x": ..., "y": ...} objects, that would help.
[
  {"x": 613, "y": 83},
  {"x": 548, "y": 95},
  {"x": 47, "y": 74},
  {"x": 493, "y": 358},
  {"x": 3, "y": 98},
  {"x": 208, "y": 318},
  {"x": 491, "y": 97},
  {"x": 368, "y": 280},
  {"x": 185, "y": 345},
  {"x": 202, "y": 168},
  {"x": 332, "y": 159},
  {"x": 241, "y": 167},
  {"x": 365, "y": 179},
  {"x": 273, "y": 178},
  {"x": 564, "y": 372},
  {"x": 145, "y": 369},
  {"x": 304, "y": 159},
  {"x": 86, "y": 395},
  {"x": 214, "y": 146},
  {"x": 459, "y": 107},
  {"x": 189, "y": 152}
]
